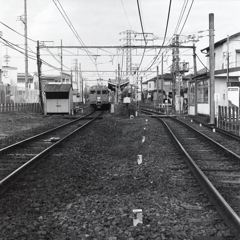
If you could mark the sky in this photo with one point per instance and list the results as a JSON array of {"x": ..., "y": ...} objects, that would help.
[{"x": 99, "y": 23}]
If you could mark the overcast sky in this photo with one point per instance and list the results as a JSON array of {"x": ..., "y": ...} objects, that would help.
[{"x": 99, "y": 22}]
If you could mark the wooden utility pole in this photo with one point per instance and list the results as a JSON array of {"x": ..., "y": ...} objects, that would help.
[
  {"x": 212, "y": 67},
  {"x": 81, "y": 82},
  {"x": 162, "y": 81},
  {"x": 157, "y": 88},
  {"x": 176, "y": 76},
  {"x": 39, "y": 64},
  {"x": 118, "y": 82},
  {"x": 195, "y": 75}
]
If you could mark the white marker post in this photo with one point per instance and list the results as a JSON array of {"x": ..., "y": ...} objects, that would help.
[
  {"x": 137, "y": 217},
  {"x": 139, "y": 159}
]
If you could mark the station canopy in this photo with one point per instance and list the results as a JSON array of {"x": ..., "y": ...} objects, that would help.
[{"x": 113, "y": 85}]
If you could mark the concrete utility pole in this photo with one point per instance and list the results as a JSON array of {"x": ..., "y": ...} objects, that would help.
[
  {"x": 162, "y": 82},
  {"x": 61, "y": 57},
  {"x": 81, "y": 81},
  {"x": 227, "y": 59},
  {"x": 26, "y": 50},
  {"x": 212, "y": 67}
]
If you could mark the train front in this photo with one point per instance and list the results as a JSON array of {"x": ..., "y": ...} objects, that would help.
[{"x": 99, "y": 97}]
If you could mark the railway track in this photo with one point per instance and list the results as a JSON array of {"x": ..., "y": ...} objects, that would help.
[
  {"x": 19, "y": 157},
  {"x": 215, "y": 167},
  {"x": 214, "y": 158}
]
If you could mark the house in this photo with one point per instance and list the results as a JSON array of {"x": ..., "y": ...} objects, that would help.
[
  {"x": 226, "y": 74},
  {"x": 166, "y": 85}
]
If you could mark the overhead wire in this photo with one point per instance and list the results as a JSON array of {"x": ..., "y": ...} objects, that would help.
[
  {"x": 16, "y": 31},
  {"x": 165, "y": 34},
  {"x": 177, "y": 27},
  {"x": 178, "y": 23},
  {"x": 126, "y": 15},
  {"x": 16, "y": 46},
  {"x": 181, "y": 15},
  {"x": 139, "y": 13},
  {"x": 201, "y": 62},
  {"x": 32, "y": 57},
  {"x": 186, "y": 17},
  {"x": 69, "y": 23}
]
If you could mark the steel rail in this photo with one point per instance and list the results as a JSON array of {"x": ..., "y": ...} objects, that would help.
[
  {"x": 2, "y": 150},
  {"x": 13, "y": 176},
  {"x": 229, "y": 134},
  {"x": 231, "y": 153},
  {"x": 224, "y": 209}
]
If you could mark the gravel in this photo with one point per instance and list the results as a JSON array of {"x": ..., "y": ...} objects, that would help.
[{"x": 89, "y": 187}]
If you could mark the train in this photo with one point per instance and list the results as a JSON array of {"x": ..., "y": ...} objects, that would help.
[{"x": 99, "y": 97}]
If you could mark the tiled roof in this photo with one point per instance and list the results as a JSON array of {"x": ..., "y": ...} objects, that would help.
[{"x": 57, "y": 88}]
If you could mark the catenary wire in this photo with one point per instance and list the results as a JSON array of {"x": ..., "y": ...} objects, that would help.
[
  {"x": 126, "y": 15},
  {"x": 67, "y": 20}
]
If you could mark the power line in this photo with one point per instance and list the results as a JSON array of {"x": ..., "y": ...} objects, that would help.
[
  {"x": 17, "y": 32},
  {"x": 178, "y": 24},
  {"x": 181, "y": 15},
  {"x": 140, "y": 17},
  {"x": 186, "y": 17},
  {"x": 15, "y": 47},
  {"x": 201, "y": 62},
  {"x": 69, "y": 23},
  {"x": 126, "y": 15},
  {"x": 165, "y": 34},
  {"x": 139, "y": 13}
]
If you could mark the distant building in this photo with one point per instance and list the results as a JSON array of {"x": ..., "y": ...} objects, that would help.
[{"x": 227, "y": 73}]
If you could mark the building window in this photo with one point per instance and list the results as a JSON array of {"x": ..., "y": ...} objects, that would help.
[{"x": 202, "y": 91}]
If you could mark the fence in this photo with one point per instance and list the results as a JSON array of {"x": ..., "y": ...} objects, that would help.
[
  {"x": 228, "y": 119},
  {"x": 18, "y": 107}
]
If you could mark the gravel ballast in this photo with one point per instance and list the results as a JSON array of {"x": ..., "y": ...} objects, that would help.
[{"x": 89, "y": 188}]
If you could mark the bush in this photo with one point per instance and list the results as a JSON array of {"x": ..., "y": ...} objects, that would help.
[{"x": 124, "y": 109}]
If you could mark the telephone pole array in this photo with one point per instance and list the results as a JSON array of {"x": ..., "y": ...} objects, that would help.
[
  {"x": 178, "y": 69},
  {"x": 176, "y": 74}
]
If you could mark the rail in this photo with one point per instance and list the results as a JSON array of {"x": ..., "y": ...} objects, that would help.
[
  {"x": 7, "y": 181},
  {"x": 225, "y": 210}
]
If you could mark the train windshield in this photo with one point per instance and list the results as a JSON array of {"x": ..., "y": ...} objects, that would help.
[
  {"x": 98, "y": 92},
  {"x": 92, "y": 91},
  {"x": 104, "y": 92}
]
